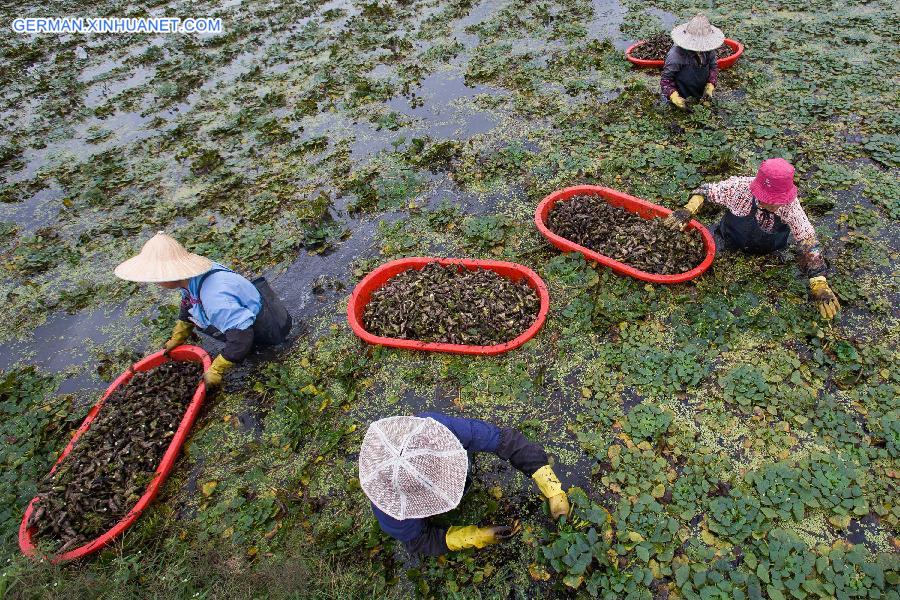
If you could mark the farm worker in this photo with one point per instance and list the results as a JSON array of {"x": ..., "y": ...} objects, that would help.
[
  {"x": 762, "y": 212},
  {"x": 690, "y": 69},
  {"x": 214, "y": 299},
  {"x": 412, "y": 468}
]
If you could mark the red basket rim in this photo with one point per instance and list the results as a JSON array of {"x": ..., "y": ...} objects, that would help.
[
  {"x": 725, "y": 63},
  {"x": 373, "y": 281},
  {"x": 181, "y": 353},
  {"x": 620, "y": 267}
]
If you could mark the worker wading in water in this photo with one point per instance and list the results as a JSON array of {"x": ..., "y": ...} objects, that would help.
[
  {"x": 214, "y": 299},
  {"x": 412, "y": 468},
  {"x": 690, "y": 71},
  {"x": 762, "y": 213}
]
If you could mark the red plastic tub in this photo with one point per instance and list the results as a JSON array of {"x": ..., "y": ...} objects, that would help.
[
  {"x": 187, "y": 353},
  {"x": 657, "y": 64},
  {"x": 377, "y": 278},
  {"x": 645, "y": 209}
]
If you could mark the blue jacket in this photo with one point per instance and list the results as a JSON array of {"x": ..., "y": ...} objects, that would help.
[
  {"x": 225, "y": 306},
  {"x": 226, "y": 300},
  {"x": 475, "y": 435}
]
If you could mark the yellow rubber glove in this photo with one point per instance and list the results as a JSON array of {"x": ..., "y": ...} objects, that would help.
[
  {"x": 552, "y": 490},
  {"x": 677, "y": 100},
  {"x": 473, "y": 536},
  {"x": 708, "y": 90},
  {"x": 824, "y": 298},
  {"x": 180, "y": 334},
  {"x": 680, "y": 218},
  {"x": 213, "y": 375}
]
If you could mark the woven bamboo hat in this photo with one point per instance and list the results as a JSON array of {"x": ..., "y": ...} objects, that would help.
[
  {"x": 412, "y": 467},
  {"x": 162, "y": 259},
  {"x": 698, "y": 35}
]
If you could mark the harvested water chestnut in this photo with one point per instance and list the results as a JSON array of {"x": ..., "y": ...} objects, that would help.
[
  {"x": 657, "y": 46},
  {"x": 644, "y": 244},
  {"x": 96, "y": 485},
  {"x": 452, "y": 304}
]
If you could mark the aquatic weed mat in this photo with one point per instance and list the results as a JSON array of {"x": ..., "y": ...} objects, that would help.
[
  {"x": 109, "y": 466},
  {"x": 731, "y": 355}
]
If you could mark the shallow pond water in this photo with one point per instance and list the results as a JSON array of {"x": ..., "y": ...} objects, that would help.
[{"x": 63, "y": 345}]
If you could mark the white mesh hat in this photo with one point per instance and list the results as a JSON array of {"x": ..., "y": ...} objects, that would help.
[{"x": 412, "y": 467}]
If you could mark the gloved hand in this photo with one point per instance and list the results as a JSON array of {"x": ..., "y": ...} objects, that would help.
[
  {"x": 708, "y": 90},
  {"x": 213, "y": 375},
  {"x": 552, "y": 490},
  {"x": 677, "y": 100},
  {"x": 824, "y": 298},
  {"x": 473, "y": 536},
  {"x": 679, "y": 219},
  {"x": 180, "y": 334}
]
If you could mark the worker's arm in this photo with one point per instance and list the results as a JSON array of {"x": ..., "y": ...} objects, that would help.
[
  {"x": 231, "y": 303},
  {"x": 417, "y": 535},
  {"x": 420, "y": 537},
  {"x": 230, "y": 316},
  {"x": 681, "y": 217},
  {"x": 184, "y": 327},
  {"x": 238, "y": 343},
  {"x": 509, "y": 444},
  {"x": 713, "y": 80},
  {"x": 810, "y": 258},
  {"x": 180, "y": 334},
  {"x": 672, "y": 64},
  {"x": 732, "y": 193},
  {"x": 530, "y": 458}
]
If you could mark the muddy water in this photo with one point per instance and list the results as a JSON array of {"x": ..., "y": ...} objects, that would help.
[
  {"x": 444, "y": 109},
  {"x": 297, "y": 286},
  {"x": 35, "y": 212},
  {"x": 609, "y": 15},
  {"x": 64, "y": 343},
  {"x": 477, "y": 14},
  {"x": 446, "y": 113},
  {"x": 667, "y": 19},
  {"x": 128, "y": 127}
]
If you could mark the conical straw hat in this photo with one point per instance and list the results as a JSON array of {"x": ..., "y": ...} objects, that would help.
[
  {"x": 698, "y": 35},
  {"x": 412, "y": 467},
  {"x": 163, "y": 259}
]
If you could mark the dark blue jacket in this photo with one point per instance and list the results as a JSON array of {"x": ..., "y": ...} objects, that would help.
[{"x": 418, "y": 535}]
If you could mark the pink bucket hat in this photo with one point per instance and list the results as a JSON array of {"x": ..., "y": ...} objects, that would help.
[{"x": 774, "y": 182}]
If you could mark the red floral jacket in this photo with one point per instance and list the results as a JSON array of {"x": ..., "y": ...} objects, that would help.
[{"x": 734, "y": 194}]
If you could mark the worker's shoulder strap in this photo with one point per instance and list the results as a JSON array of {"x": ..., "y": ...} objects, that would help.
[
  {"x": 200, "y": 285},
  {"x": 207, "y": 274}
]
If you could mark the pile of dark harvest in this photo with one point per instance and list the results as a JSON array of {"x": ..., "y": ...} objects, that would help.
[
  {"x": 657, "y": 46},
  {"x": 654, "y": 48},
  {"x": 452, "y": 305},
  {"x": 114, "y": 460},
  {"x": 644, "y": 244},
  {"x": 724, "y": 51}
]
